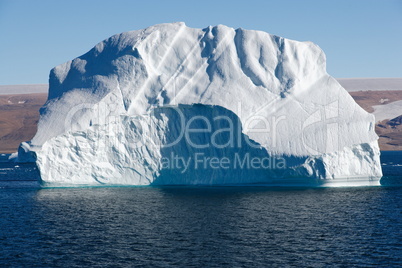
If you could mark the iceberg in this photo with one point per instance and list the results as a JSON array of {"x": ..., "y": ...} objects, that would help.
[{"x": 173, "y": 105}]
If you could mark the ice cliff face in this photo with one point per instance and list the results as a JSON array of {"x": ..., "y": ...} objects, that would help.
[{"x": 156, "y": 106}]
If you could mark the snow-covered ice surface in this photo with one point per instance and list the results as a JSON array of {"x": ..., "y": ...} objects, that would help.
[
  {"x": 176, "y": 105},
  {"x": 388, "y": 111},
  {"x": 370, "y": 84}
]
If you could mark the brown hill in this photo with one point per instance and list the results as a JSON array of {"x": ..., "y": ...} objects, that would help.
[
  {"x": 19, "y": 116},
  {"x": 389, "y": 131}
]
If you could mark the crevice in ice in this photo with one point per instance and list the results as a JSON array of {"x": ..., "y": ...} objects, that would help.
[
  {"x": 280, "y": 73},
  {"x": 244, "y": 61},
  {"x": 209, "y": 45}
]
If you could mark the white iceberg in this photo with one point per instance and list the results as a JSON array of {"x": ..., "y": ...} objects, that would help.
[{"x": 172, "y": 105}]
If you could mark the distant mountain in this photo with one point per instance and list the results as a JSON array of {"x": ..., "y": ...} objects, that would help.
[
  {"x": 370, "y": 84},
  {"x": 23, "y": 89},
  {"x": 350, "y": 84}
]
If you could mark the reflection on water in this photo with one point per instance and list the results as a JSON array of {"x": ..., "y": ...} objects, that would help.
[{"x": 220, "y": 226}]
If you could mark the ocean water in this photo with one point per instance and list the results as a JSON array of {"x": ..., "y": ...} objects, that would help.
[{"x": 200, "y": 226}]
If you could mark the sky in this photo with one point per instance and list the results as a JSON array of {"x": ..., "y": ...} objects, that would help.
[{"x": 361, "y": 38}]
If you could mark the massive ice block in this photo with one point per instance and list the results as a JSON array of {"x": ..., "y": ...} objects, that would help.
[{"x": 171, "y": 105}]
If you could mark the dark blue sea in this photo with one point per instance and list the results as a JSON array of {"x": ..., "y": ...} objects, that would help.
[{"x": 200, "y": 226}]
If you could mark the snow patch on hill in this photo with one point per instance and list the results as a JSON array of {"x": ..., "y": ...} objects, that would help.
[{"x": 387, "y": 111}]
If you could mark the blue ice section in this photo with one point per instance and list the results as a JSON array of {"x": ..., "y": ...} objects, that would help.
[{"x": 217, "y": 152}]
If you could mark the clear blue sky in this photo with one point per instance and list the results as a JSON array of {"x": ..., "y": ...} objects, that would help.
[{"x": 361, "y": 38}]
